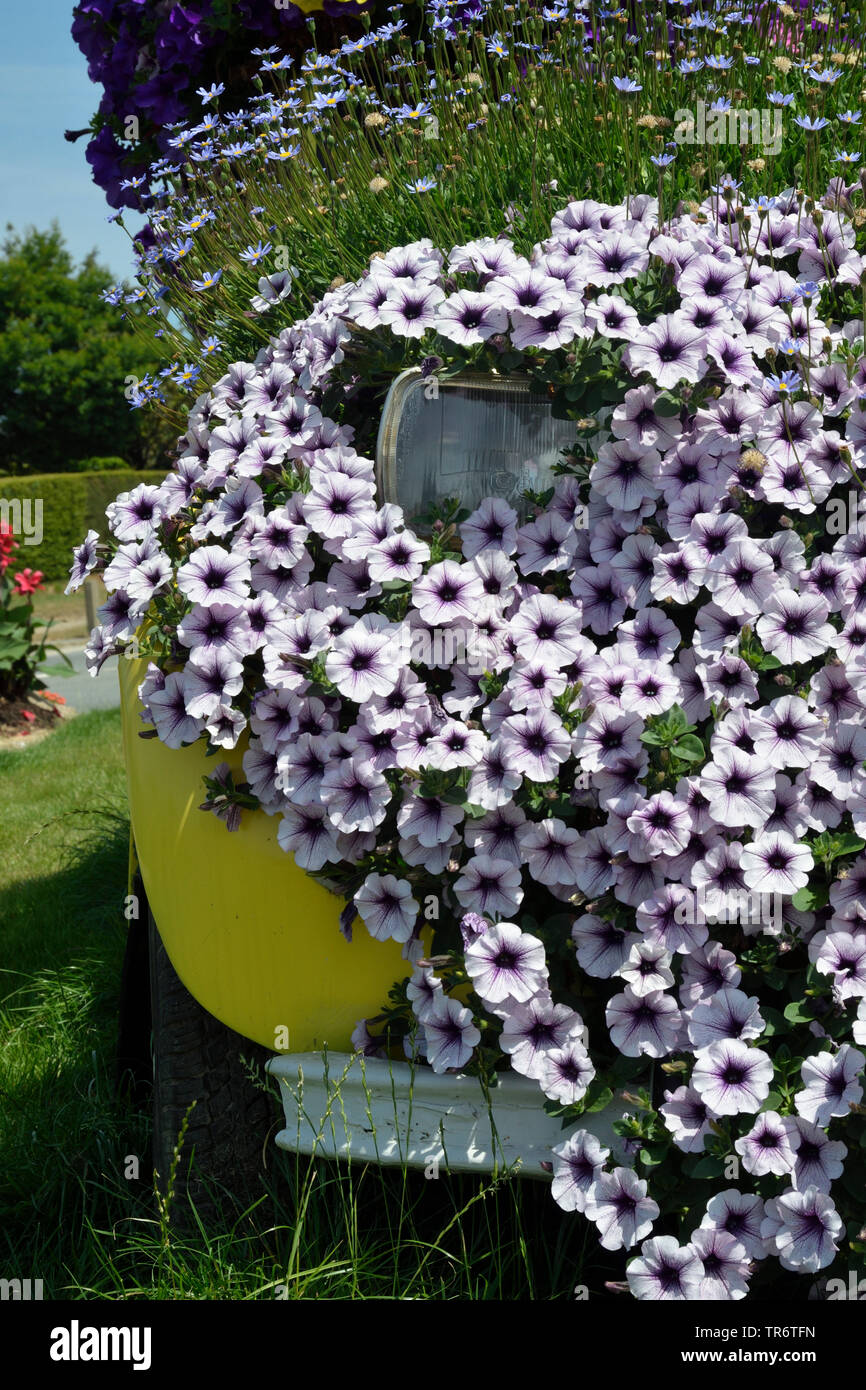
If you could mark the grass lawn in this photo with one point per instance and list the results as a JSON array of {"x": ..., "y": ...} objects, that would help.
[{"x": 72, "y": 1210}]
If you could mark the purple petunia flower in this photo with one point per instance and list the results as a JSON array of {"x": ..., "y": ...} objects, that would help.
[
  {"x": 740, "y": 1214},
  {"x": 732, "y": 1078},
  {"x": 802, "y": 1229},
  {"x": 489, "y": 886},
  {"x": 386, "y": 907},
  {"x": 535, "y": 744},
  {"x": 670, "y": 350},
  {"x": 450, "y": 1034},
  {"x": 643, "y": 1025},
  {"x": 506, "y": 963},
  {"x": 363, "y": 660},
  {"x": 84, "y": 560},
  {"x": 618, "y": 1204},
  {"x": 831, "y": 1085},
  {"x": 775, "y": 863},
  {"x": 578, "y": 1162},
  {"x": 725, "y": 1263},
  {"x": 767, "y": 1148},
  {"x": 665, "y": 1271},
  {"x": 687, "y": 1117},
  {"x": 213, "y": 575}
]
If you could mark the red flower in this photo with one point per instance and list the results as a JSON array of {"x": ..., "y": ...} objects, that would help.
[
  {"x": 8, "y": 543},
  {"x": 28, "y": 715},
  {"x": 28, "y": 581}
]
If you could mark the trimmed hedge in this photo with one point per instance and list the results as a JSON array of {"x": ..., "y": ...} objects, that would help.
[
  {"x": 99, "y": 465},
  {"x": 72, "y": 504}
]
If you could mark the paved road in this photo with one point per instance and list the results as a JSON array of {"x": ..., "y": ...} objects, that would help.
[{"x": 81, "y": 691}]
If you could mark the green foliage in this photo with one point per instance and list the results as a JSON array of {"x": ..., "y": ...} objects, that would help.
[
  {"x": 99, "y": 465},
  {"x": 22, "y": 653},
  {"x": 72, "y": 503},
  {"x": 65, "y": 357}
]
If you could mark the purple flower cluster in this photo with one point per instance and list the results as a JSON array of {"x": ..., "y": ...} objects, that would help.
[
  {"x": 150, "y": 57},
  {"x": 669, "y": 720}
]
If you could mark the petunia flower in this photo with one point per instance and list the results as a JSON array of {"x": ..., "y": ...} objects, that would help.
[
  {"x": 775, "y": 863},
  {"x": 643, "y": 1025},
  {"x": 665, "y": 1271},
  {"x": 214, "y": 575},
  {"x": 363, "y": 660},
  {"x": 618, "y": 1204},
  {"x": 732, "y": 1078},
  {"x": 489, "y": 886},
  {"x": 578, "y": 1162},
  {"x": 535, "y": 744},
  {"x": 768, "y": 1147},
  {"x": 739, "y": 1214},
  {"x": 450, "y": 1034},
  {"x": 386, "y": 907},
  {"x": 831, "y": 1085},
  {"x": 506, "y": 962},
  {"x": 726, "y": 1266},
  {"x": 802, "y": 1229},
  {"x": 567, "y": 1072},
  {"x": 818, "y": 1160},
  {"x": 687, "y": 1118}
]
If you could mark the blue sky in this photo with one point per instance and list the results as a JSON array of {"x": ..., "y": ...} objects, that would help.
[{"x": 44, "y": 90}]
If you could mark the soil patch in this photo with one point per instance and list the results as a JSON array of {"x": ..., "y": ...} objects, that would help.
[{"x": 30, "y": 717}]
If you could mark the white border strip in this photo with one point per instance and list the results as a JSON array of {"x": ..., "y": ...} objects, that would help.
[{"x": 345, "y": 1105}]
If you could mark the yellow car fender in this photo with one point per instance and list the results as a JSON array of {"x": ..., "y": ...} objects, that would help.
[{"x": 255, "y": 940}]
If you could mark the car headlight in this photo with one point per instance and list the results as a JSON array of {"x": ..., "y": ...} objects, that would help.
[{"x": 471, "y": 436}]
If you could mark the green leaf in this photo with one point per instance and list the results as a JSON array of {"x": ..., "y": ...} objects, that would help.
[
  {"x": 707, "y": 1167},
  {"x": 650, "y": 1158},
  {"x": 774, "y": 1022},
  {"x": 689, "y": 748},
  {"x": 676, "y": 720},
  {"x": 13, "y": 651},
  {"x": 847, "y": 844},
  {"x": 603, "y": 1099},
  {"x": 798, "y": 1012},
  {"x": 769, "y": 663},
  {"x": 773, "y": 1101},
  {"x": 666, "y": 406},
  {"x": 650, "y": 737},
  {"x": 454, "y": 796}
]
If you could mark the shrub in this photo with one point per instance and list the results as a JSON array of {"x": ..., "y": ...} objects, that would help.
[
  {"x": 68, "y": 360},
  {"x": 21, "y": 652},
  {"x": 99, "y": 465}
]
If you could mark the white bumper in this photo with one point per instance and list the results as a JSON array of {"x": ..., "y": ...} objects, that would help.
[{"x": 350, "y": 1106}]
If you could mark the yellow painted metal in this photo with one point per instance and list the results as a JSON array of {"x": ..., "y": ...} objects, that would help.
[{"x": 250, "y": 934}]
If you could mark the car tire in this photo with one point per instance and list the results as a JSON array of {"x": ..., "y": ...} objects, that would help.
[{"x": 199, "y": 1063}]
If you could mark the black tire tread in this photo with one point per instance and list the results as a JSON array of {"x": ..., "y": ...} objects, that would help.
[{"x": 197, "y": 1058}]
